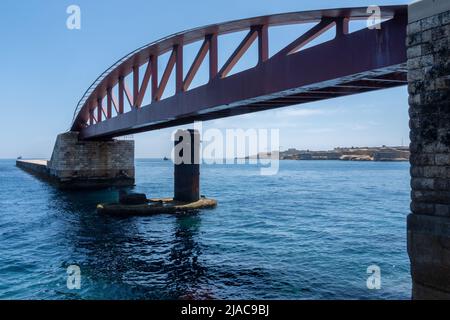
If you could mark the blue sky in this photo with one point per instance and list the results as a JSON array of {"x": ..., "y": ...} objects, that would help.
[{"x": 46, "y": 68}]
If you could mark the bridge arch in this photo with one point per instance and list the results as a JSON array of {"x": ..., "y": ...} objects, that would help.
[{"x": 351, "y": 63}]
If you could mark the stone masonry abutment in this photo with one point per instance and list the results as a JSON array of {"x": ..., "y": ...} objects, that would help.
[
  {"x": 428, "y": 39},
  {"x": 84, "y": 164}
]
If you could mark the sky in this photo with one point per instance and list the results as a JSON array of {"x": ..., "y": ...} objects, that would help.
[{"x": 45, "y": 69}]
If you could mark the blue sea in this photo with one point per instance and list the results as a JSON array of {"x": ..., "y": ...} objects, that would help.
[{"x": 309, "y": 232}]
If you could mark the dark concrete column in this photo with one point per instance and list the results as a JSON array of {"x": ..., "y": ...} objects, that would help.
[
  {"x": 429, "y": 99},
  {"x": 187, "y": 166}
]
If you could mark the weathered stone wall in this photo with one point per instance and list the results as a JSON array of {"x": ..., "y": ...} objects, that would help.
[
  {"x": 92, "y": 163},
  {"x": 429, "y": 99}
]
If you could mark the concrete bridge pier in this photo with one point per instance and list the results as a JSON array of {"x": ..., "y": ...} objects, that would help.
[
  {"x": 428, "y": 43},
  {"x": 187, "y": 166}
]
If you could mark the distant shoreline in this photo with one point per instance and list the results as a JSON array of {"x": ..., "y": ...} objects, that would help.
[{"x": 381, "y": 154}]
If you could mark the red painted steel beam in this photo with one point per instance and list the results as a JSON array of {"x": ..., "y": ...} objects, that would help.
[
  {"x": 91, "y": 117},
  {"x": 135, "y": 85},
  {"x": 144, "y": 85},
  {"x": 121, "y": 95},
  {"x": 200, "y": 57},
  {"x": 339, "y": 63},
  {"x": 238, "y": 53},
  {"x": 324, "y": 25},
  {"x": 342, "y": 26},
  {"x": 154, "y": 62},
  {"x": 108, "y": 104},
  {"x": 263, "y": 43},
  {"x": 179, "y": 83},
  {"x": 128, "y": 94},
  {"x": 105, "y": 114},
  {"x": 213, "y": 56},
  {"x": 166, "y": 75},
  {"x": 114, "y": 101},
  {"x": 210, "y": 102},
  {"x": 124, "y": 66},
  {"x": 99, "y": 110}
]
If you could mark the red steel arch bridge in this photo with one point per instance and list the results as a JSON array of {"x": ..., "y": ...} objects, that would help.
[{"x": 365, "y": 60}]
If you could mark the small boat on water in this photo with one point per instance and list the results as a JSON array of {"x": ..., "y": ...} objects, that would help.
[
  {"x": 166, "y": 159},
  {"x": 136, "y": 205}
]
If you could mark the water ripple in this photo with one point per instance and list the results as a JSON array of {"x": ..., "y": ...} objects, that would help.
[{"x": 309, "y": 232}]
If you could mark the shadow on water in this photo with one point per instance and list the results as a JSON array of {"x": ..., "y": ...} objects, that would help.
[
  {"x": 154, "y": 257},
  {"x": 186, "y": 275}
]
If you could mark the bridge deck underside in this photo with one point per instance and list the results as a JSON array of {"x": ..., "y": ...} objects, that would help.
[
  {"x": 366, "y": 84},
  {"x": 396, "y": 77}
]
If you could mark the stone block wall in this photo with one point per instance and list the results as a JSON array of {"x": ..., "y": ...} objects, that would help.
[
  {"x": 428, "y": 40},
  {"x": 96, "y": 163}
]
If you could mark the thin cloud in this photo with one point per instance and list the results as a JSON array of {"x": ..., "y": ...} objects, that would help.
[
  {"x": 301, "y": 113},
  {"x": 320, "y": 130}
]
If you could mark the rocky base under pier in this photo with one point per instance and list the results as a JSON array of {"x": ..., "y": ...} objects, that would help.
[{"x": 156, "y": 206}]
